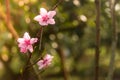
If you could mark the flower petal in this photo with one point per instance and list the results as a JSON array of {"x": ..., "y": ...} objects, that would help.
[
  {"x": 30, "y": 48},
  {"x": 21, "y": 45},
  {"x": 51, "y": 21},
  {"x": 43, "y": 11},
  {"x": 43, "y": 23},
  {"x": 40, "y": 64},
  {"x": 45, "y": 62},
  {"x": 20, "y": 40},
  {"x": 48, "y": 57},
  {"x": 37, "y": 18},
  {"x": 33, "y": 40},
  {"x": 26, "y": 36},
  {"x": 51, "y": 14},
  {"x": 23, "y": 50}
]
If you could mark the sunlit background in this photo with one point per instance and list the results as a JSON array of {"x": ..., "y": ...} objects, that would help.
[{"x": 73, "y": 35}]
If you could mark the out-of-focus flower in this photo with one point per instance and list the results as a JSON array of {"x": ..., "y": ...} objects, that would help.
[
  {"x": 45, "y": 62},
  {"x": 26, "y": 43},
  {"x": 45, "y": 17}
]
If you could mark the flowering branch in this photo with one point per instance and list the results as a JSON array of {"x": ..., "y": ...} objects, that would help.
[
  {"x": 41, "y": 28},
  {"x": 26, "y": 43},
  {"x": 13, "y": 31},
  {"x": 44, "y": 19}
]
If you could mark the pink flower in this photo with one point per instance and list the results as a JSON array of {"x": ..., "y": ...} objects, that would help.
[
  {"x": 45, "y": 62},
  {"x": 26, "y": 43},
  {"x": 45, "y": 17}
]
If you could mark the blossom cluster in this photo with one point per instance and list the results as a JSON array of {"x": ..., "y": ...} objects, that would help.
[{"x": 26, "y": 43}]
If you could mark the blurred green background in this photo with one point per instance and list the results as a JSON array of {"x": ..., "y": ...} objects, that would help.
[{"x": 73, "y": 35}]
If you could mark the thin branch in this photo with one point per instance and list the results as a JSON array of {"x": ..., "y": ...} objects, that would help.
[
  {"x": 39, "y": 36},
  {"x": 27, "y": 63},
  {"x": 97, "y": 52},
  {"x": 40, "y": 39},
  {"x": 34, "y": 62},
  {"x": 30, "y": 55},
  {"x": 13, "y": 31},
  {"x": 8, "y": 21},
  {"x": 56, "y": 5}
]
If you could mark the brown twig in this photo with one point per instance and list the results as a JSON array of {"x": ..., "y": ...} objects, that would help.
[
  {"x": 40, "y": 37},
  {"x": 29, "y": 66},
  {"x": 97, "y": 51},
  {"x": 27, "y": 63},
  {"x": 8, "y": 21},
  {"x": 56, "y": 5}
]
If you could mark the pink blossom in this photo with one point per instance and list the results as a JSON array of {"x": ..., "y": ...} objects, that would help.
[
  {"x": 45, "y": 17},
  {"x": 26, "y": 43},
  {"x": 45, "y": 62}
]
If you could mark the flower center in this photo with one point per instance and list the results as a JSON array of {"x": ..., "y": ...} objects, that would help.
[
  {"x": 27, "y": 42},
  {"x": 45, "y": 18},
  {"x": 45, "y": 61}
]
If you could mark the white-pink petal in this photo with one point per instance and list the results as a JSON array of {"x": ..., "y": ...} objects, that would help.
[
  {"x": 21, "y": 45},
  {"x": 23, "y": 50},
  {"x": 48, "y": 56},
  {"x": 30, "y": 48},
  {"x": 20, "y": 40},
  {"x": 37, "y": 18},
  {"x": 26, "y": 36},
  {"x": 51, "y": 21},
  {"x": 51, "y": 14},
  {"x": 33, "y": 40},
  {"x": 43, "y": 11},
  {"x": 45, "y": 62},
  {"x": 40, "y": 64},
  {"x": 43, "y": 23}
]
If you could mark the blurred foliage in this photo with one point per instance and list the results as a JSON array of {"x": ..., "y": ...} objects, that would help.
[{"x": 74, "y": 32}]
